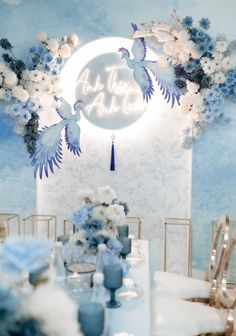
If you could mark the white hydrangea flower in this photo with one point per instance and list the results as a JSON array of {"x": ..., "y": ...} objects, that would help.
[
  {"x": 182, "y": 36},
  {"x": 116, "y": 214},
  {"x": 204, "y": 61},
  {"x": 53, "y": 308},
  {"x": 52, "y": 44},
  {"x": 219, "y": 77},
  {"x": 217, "y": 64},
  {"x": 226, "y": 63},
  {"x": 65, "y": 50},
  {"x": 74, "y": 39},
  {"x": 99, "y": 212},
  {"x": 35, "y": 75},
  {"x": 192, "y": 103},
  {"x": 86, "y": 195},
  {"x": 183, "y": 57},
  {"x": 20, "y": 93},
  {"x": 2, "y": 93},
  {"x": 25, "y": 74},
  {"x": 221, "y": 46},
  {"x": 218, "y": 55},
  {"x": 41, "y": 36},
  {"x": 105, "y": 195},
  {"x": 77, "y": 236},
  {"x": 10, "y": 80},
  {"x": 192, "y": 87}
]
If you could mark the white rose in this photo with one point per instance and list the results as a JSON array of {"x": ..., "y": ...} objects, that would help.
[
  {"x": 20, "y": 93},
  {"x": 52, "y": 44},
  {"x": 192, "y": 87},
  {"x": 2, "y": 93},
  {"x": 219, "y": 77},
  {"x": 169, "y": 48},
  {"x": 65, "y": 50},
  {"x": 74, "y": 39},
  {"x": 209, "y": 68},
  {"x": 116, "y": 214},
  {"x": 183, "y": 57},
  {"x": 10, "y": 79},
  {"x": 105, "y": 195},
  {"x": 226, "y": 63},
  {"x": 41, "y": 36},
  {"x": 221, "y": 46},
  {"x": 99, "y": 212},
  {"x": 35, "y": 75},
  {"x": 25, "y": 74}
]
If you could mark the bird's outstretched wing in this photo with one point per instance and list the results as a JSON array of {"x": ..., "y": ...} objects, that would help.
[
  {"x": 64, "y": 111},
  {"x": 165, "y": 78},
  {"x": 48, "y": 150},
  {"x": 139, "y": 48},
  {"x": 144, "y": 81},
  {"x": 72, "y": 137}
]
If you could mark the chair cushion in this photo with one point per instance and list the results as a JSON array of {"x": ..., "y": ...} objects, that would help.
[
  {"x": 179, "y": 286},
  {"x": 178, "y": 317}
]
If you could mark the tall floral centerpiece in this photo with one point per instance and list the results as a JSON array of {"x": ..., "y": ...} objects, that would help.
[
  {"x": 203, "y": 67},
  {"x": 96, "y": 223}
]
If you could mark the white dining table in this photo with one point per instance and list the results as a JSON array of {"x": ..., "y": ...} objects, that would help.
[{"x": 134, "y": 316}]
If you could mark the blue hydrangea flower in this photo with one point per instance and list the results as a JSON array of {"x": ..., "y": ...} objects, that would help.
[
  {"x": 115, "y": 245},
  {"x": 187, "y": 21},
  {"x": 9, "y": 305},
  {"x": 204, "y": 23},
  {"x": 8, "y": 96},
  {"x": 93, "y": 225},
  {"x": 213, "y": 105},
  {"x": 32, "y": 50},
  {"x": 59, "y": 60},
  {"x": 25, "y": 327},
  {"x": 47, "y": 58},
  {"x": 81, "y": 216},
  {"x": 25, "y": 253}
]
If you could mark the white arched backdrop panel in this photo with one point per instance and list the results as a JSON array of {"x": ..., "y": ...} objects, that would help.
[{"x": 153, "y": 173}]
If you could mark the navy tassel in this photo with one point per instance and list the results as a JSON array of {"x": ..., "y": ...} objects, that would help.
[{"x": 113, "y": 166}]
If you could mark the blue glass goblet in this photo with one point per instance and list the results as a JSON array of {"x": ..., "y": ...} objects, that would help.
[
  {"x": 91, "y": 318},
  {"x": 113, "y": 278},
  {"x": 126, "y": 249}
]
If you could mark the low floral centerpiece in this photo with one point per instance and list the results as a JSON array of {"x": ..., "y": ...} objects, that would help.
[{"x": 96, "y": 223}]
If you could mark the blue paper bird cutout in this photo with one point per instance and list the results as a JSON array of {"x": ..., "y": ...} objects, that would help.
[
  {"x": 143, "y": 70},
  {"x": 49, "y": 144}
]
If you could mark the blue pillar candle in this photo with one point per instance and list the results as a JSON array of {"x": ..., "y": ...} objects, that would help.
[
  {"x": 126, "y": 249},
  {"x": 91, "y": 318},
  {"x": 63, "y": 238},
  {"x": 123, "y": 230}
]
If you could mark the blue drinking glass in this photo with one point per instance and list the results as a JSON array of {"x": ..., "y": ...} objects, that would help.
[
  {"x": 113, "y": 279},
  {"x": 91, "y": 318}
]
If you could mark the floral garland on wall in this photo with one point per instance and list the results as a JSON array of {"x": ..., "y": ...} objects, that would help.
[
  {"x": 202, "y": 66},
  {"x": 34, "y": 85}
]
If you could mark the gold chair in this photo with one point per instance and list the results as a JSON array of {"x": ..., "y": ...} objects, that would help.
[
  {"x": 183, "y": 287},
  {"x": 43, "y": 226},
  {"x": 191, "y": 318},
  {"x": 9, "y": 225},
  {"x": 135, "y": 226}
]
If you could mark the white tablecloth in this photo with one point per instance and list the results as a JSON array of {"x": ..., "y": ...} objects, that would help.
[{"x": 134, "y": 315}]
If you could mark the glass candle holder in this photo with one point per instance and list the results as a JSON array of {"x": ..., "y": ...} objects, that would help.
[{"x": 91, "y": 318}]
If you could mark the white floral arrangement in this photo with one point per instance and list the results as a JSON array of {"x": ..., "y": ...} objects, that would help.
[
  {"x": 39, "y": 310},
  {"x": 203, "y": 69},
  {"x": 32, "y": 86},
  {"x": 97, "y": 219}
]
